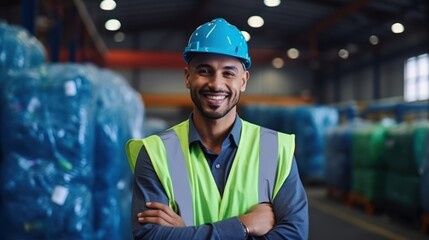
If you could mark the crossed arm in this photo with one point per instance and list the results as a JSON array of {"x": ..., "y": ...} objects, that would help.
[
  {"x": 285, "y": 218},
  {"x": 259, "y": 220}
]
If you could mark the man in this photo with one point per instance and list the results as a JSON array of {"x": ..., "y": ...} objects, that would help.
[{"x": 216, "y": 176}]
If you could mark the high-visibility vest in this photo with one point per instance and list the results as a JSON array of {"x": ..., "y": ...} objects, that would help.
[{"x": 262, "y": 163}]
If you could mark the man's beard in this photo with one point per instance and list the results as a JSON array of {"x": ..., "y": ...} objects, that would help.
[{"x": 213, "y": 115}]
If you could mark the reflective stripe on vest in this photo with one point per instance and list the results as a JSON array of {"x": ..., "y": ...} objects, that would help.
[{"x": 180, "y": 180}]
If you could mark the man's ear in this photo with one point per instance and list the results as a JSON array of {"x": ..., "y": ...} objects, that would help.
[
  {"x": 187, "y": 74},
  {"x": 244, "y": 80}
]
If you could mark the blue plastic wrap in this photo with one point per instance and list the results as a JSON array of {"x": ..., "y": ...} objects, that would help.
[
  {"x": 70, "y": 115},
  {"x": 279, "y": 118},
  {"x": 311, "y": 126},
  {"x": 119, "y": 118},
  {"x": 18, "y": 49},
  {"x": 65, "y": 174},
  {"x": 47, "y": 141},
  {"x": 338, "y": 155}
]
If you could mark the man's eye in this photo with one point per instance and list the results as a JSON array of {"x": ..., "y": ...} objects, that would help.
[
  {"x": 203, "y": 71},
  {"x": 228, "y": 74}
]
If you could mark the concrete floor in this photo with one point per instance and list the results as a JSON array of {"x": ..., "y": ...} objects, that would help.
[{"x": 332, "y": 219}]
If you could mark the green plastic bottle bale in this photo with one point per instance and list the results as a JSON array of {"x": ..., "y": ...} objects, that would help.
[
  {"x": 368, "y": 183},
  {"x": 403, "y": 191},
  {"x": 420, "y": 144},
  {"x": 396, "y": 147},
  {"x": 368, "y": 146},
  {"x": 405, "y": 147}
]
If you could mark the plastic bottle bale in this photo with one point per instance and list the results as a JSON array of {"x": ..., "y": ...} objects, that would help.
[
  {"x": 70, "y": 120},
  {"x": 334, "y": 169},
  {"x": 38, "y": 145},
  {"x": 311, "y": 125},
  {"x": 405, "y": 147},
  {"x": 395, "y": 145},
  {"x": 109, "y": 146},
  {"x": 368, "y": 146},
  {"x": 120, "y": 116},
  {"x": 420, "y": 143},
  {"x": 26, "y": 170},
  {"x": 132, "y": 123},
  {"x": 338, "y": 155},
  {"x": 424, "y": 180},
  {"x": 108, "y": 142},
  {"x": 14, "y": 49}
]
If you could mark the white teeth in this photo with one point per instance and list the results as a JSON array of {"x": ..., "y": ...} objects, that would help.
[{"x": 216, "y": 97}]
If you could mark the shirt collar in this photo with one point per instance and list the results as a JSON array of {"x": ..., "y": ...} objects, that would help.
[{"x": 234, "y": 135}]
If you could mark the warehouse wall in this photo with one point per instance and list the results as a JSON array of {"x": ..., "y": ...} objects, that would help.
[{"x": 356, "y": 77}]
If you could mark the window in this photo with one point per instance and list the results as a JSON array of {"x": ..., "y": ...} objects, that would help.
[{"x": 416, "y": 79}]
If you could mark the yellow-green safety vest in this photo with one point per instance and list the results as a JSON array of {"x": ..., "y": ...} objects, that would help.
[{"x": 256, "y": 174}]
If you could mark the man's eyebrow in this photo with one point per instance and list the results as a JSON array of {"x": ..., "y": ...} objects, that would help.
[
  {"x": 231, "y": 68},
  {"x": 205, "y": 65}
]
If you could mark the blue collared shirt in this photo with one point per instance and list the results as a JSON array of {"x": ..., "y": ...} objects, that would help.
[
  {"x": 290, "y": 205},
  {"x": 220, "y": 164}
]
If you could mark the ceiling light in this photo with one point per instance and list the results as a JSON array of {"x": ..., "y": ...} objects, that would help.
[
  {"x": 343, "y": 53},
  {"x": 293, "y": 53},
  {"x": 246, "y": 35},
  {"x": 112, "y": 25},
  {"x": 397, "y": 28},
  {"x": 272, "y": 3},
  {"x": 373, "y": 40},
  {"x": 108, "y": 5},
  {"x": 278, "y": 63},
  {"x": 119, "y": 37},
  {"x": 255, "y": 21}
]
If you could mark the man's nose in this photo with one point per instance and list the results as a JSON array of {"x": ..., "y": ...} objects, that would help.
[{"x": 216, "y": 81}]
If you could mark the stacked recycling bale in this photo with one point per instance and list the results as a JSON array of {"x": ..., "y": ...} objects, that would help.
[
  {"x": 311, "y": 124},
  {"x": 48, "y": 139},
  {"x": 368, "y": 162},
  {"x": 308, "y": 123},
  {"x": 279, "y": 118},
  {"x": 66, "y": 130},
  {"x": 406, "y": 154},
  {"x": 338, "y": 152},
  {"x": 424, "y": 186},
  {"x": 18, "y": 50},
  {"x": 63, "y": 128},
  {"x": 119, "y": 117}
]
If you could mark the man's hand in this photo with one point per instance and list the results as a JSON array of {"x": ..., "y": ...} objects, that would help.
[
  {"x": 160, "y": 214},
  {"x": 260, "y": 219}
]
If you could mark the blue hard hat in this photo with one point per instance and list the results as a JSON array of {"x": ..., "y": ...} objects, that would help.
[{"x": 218, "y": 36}]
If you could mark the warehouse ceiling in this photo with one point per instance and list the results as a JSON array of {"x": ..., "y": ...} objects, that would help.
[{"x": 317, "y": 28}]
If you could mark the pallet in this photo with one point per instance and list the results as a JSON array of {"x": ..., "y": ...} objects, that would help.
[
  {"x": 425, "y": 223},
  {"x": 337, "y": 194},
  {"x": 355, "y": 199}
]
